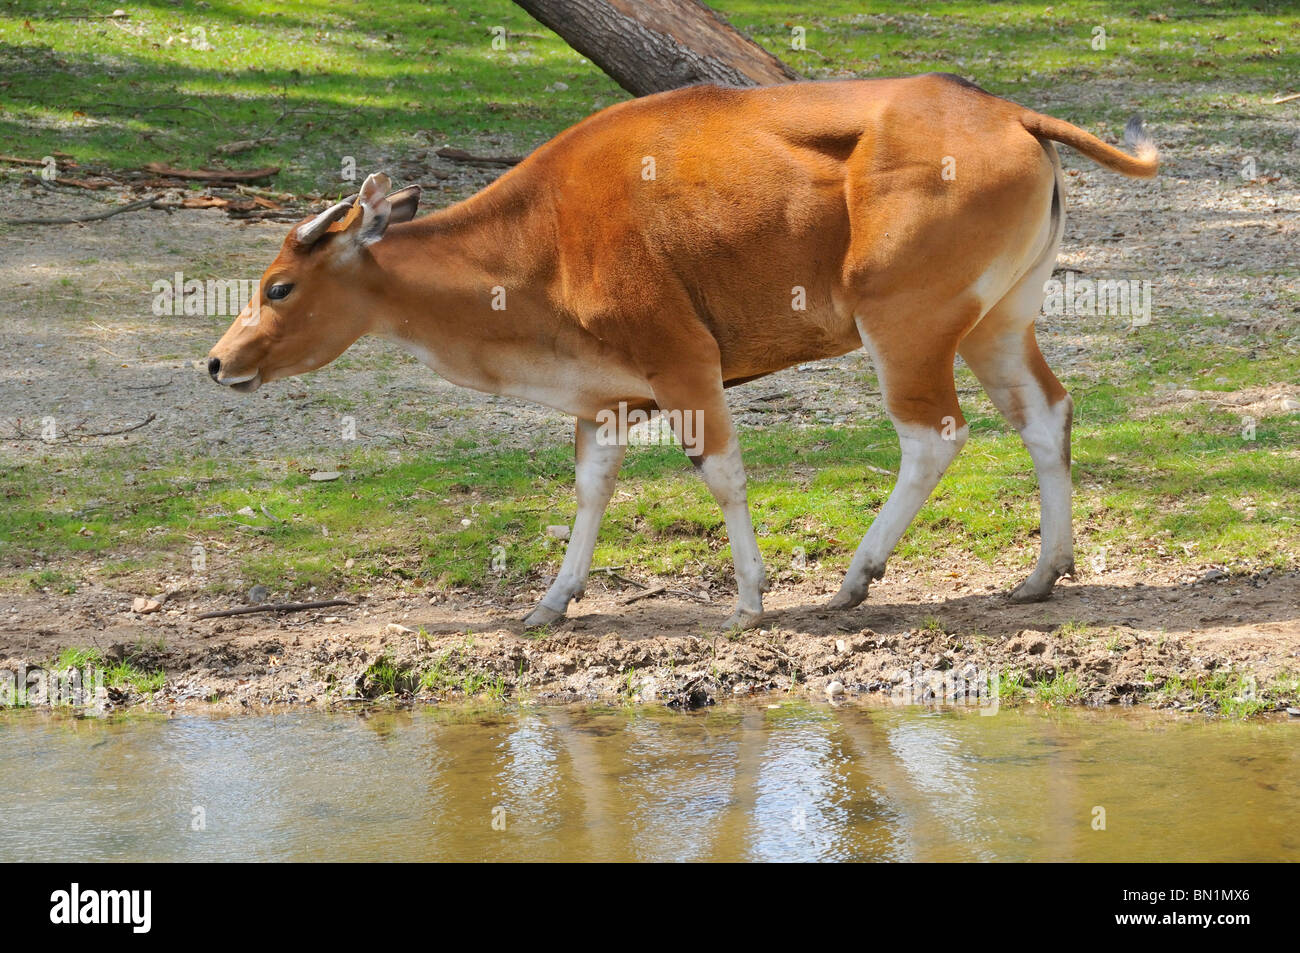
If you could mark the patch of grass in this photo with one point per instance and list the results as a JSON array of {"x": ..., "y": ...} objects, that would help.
[
  {"x": 386, "y": 677},
  {"x": 1061, "y": 690},
  {"x": 1072, "y": 629},
  {"x": 1014, "y": 44},
  {"x": 1011, "y": 686},
  {"x": 445, "y": 674},
  {"x": 438, "y": 677},
  {"x": 78, "y": 658},
  {"x": 53, "y": 579},
  {"x": 332, "y": 87},
  {"x": 127, "y": 675},
  {"x": 1230, "y": 694}
]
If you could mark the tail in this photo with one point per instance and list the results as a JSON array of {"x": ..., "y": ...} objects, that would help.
[{"x": 1144, "y": 166}]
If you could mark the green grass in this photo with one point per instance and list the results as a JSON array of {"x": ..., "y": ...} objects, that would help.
[
  {"x": 932, "y": 623},
  {"x": 1063, "y": 689},
  {"x": 1072, "y": 629},
  {"x": 385, "y": 677},
  {"x": 1011, "y": 687},
  {"x": 130, "y": 676},
  {"x": 443, "y": 675},
  {"x": 1230, "y": 694},
  {"x": 1142, "y": 486},
  {"x": 447, "y": 674},
  {"x": 130, "y": 673},
  {"x": 78, "y": 658},
  {"x": 324, "y": 81}
]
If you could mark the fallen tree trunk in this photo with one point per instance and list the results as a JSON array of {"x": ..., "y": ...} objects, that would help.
[{"x": 648, "y": 46}]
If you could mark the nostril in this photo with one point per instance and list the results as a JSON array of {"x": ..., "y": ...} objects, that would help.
[{"x": 214, "y": 367}]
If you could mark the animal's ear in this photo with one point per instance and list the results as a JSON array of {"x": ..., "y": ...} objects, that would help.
[
  {"x": 376, "y": 210},
  {"x": 309, "y": 233},
  {"x": 405, "y": 203},
  {"x": 364, "y": 216}
]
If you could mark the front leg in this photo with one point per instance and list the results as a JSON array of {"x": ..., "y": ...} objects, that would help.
[
  {"x": 597, "y": 468},
  {"x": 692, "y": 396},
  {"x": 724, "y": 473}
]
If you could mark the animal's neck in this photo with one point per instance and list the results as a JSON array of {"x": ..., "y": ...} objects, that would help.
[
  {"x": 464, "y": 288},
  {"x": 486, "y": 238}
]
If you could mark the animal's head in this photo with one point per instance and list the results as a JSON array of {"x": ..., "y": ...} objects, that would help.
[{"x": 317, "y": 297}]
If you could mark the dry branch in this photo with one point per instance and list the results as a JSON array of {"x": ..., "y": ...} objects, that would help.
[
  {"x": 275, "y": 607},
  {"x": 460, "y": 155},
  {"x": 76, "y": 433},
  {"x": 643, "y": 594},
  {"x": 18, "y": 160},
  {"x": 211, "y": 175},
  {"x": 77, "y": 219}
]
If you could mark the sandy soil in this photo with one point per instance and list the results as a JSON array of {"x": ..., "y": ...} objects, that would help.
[{"x": 1121, "y": 637}]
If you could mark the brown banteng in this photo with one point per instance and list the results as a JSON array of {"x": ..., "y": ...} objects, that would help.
[{"x": 670, "y": 246}]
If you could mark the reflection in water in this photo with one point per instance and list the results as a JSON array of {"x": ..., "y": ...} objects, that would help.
[{"x": 752, "y": 782}]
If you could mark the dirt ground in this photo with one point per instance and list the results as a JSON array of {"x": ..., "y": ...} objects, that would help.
[
  {"x": 1120, "y": 639},
  {"x": 81, "y": 344}
]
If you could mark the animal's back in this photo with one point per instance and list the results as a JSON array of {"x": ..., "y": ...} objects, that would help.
[{"x": 762, "y": 208}]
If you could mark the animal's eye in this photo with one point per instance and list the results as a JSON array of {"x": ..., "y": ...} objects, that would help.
[{"x": 276, "y": 292}]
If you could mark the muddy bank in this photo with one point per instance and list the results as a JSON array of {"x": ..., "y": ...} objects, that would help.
[{"x": 1214, "y": 642}]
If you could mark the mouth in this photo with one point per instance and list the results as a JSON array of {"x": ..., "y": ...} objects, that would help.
[{"x": 244, "y": 385}]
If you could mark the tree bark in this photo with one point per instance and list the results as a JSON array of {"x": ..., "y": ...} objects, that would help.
[{"x": 648, "y": 46}]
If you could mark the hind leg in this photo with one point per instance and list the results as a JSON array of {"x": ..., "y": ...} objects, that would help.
[
  {"x": 1004, "y": 355},
  {"x": 921, "y": 399}
]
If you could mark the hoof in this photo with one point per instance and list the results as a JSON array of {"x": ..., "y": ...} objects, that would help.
[
  {"x": 851, "y": 595},
  {"x": 846, "y": 599},
  {"x": 852, "y": 591},
  {"x": 541, "y": 616},
  {"x": 1026, "y": 593},
  {"x": 1038, "y": 587},
  {"x": 742, "y": 619}
]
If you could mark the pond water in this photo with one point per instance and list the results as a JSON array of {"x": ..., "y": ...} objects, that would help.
[{"x": 793, "y": 781}]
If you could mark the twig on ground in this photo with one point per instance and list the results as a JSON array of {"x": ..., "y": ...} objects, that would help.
[
  {"x": 115, "y": 15},
  {"x": 97, "y": 216},
  {"x": 18, "y": 160},
  {"x": 76, "y": 433},
  {"x": 275, "y": 607},
  {"x": 687, "y": 594},
  {"x": 643, "y": 594},
  {"x": 113, "y": 433},
  {"x": 266, "y": 193},
  {"x": 625, "y": 581}
]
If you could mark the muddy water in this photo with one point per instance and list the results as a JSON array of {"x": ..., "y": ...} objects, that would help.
[{"x": 794, "y": 782}]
